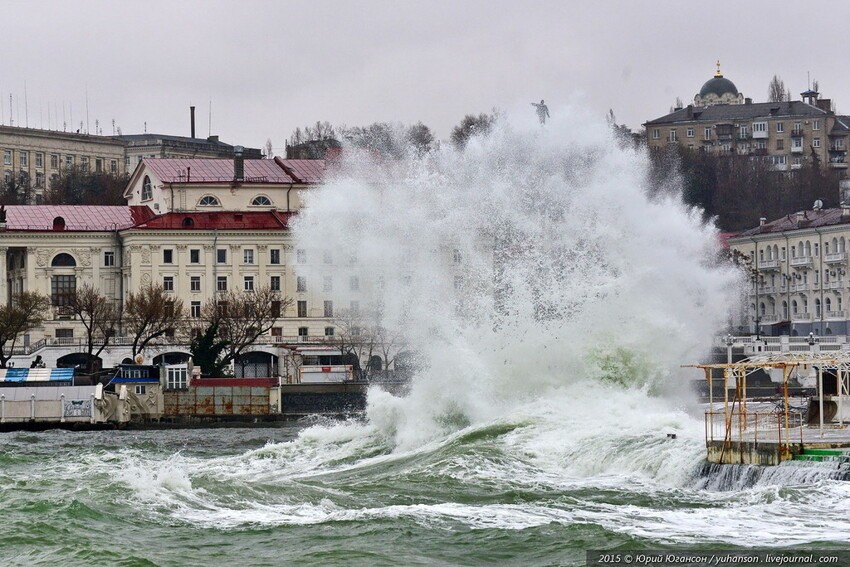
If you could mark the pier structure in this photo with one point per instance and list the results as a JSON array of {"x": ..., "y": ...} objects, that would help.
[{"x": 740, "y": 429}]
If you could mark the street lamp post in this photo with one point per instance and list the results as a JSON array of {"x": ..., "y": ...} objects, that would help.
[{"x": 814, "y": 348}]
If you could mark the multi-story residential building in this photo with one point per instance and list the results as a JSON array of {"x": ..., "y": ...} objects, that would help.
[
  {"x": 799, "y": 275},
  {"x": 786, "y": 134},
  {"x": 38, "y": 156}
]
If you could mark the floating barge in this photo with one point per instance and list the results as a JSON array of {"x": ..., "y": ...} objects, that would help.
[{"x": 746, "y": 431}]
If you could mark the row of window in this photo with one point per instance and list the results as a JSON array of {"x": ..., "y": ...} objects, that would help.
[
  {"x": 24, "y": 161},
  {"x": 248, "y": 283},
  {"x": 63, "y": 288},
  {"x": 743, "y": 130},
  {"x": 248, "y": 256},
  {"x": 801, "y": 308},
  {"x": 804, "y": 249}
]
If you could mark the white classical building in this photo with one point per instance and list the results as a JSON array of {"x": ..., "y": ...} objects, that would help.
[
  {"x": 195, "y": 226},
  {"x": 798, "y": 268}
]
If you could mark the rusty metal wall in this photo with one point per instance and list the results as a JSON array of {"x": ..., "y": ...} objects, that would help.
[{"x": 218, "y": 401}]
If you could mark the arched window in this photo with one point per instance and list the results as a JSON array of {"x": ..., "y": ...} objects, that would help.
[
  {"x": 261, "y": 201},
  {"x": 762, "y": 309},
  {"x": 817, "y": 307},
  {"x": 208, "y": 201},
  {"x": 147, "y": 189},
  {"x": 775, "y": 252},
  {"x": 784, "y": 309},
  {"x": 794, "y": 306},
  {"x": 808, "y": 249},
  {"x": 63, "y": 260},
  {"x": 838, "y": 302},
  {"x": 58, "y": 223},
  {"x": 827, "y": 304},
  {"x": 188, "y": 222}
]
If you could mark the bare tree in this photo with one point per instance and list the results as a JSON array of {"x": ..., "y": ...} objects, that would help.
[
  {"x": 776, "y": 91},
  {"x": 268, "y": 147},
  {"x": 241, "y": 317},
  {"x": 97, "y": 314},
  {"x": 25, "y": 313},
  {"x": 150, "y": 314},
  {"x": 361, "y": 337}
]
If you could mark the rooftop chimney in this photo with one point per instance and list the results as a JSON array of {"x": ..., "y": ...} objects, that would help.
[
  {"x": 238, "y": 164},
  {"x": 845, "y": 210},
  {"x": 762, "y": 220},
  {"x": 824, "y": 104},
  {"x": 192, "y": 114},
  {"x": 748, "y": 100}
]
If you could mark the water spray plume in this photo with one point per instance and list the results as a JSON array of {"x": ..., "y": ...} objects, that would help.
[{"x": 531, "y": 260}]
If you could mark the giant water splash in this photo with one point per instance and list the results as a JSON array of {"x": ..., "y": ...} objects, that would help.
[{"x": 531, "y": 263}]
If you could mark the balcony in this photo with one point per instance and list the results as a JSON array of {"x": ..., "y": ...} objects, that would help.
[
  {"x": 797, "y": 133},
  {"x": 768, "y": 265},
  {"x": 760, "y": 135},
  {"x": 837, "y": 149},
  {"x": 832, "y": 285},
  {"x": 801, "y": 262},
  {"x": 837, "y": 163},
  {"x": 769, "y": 318},
  {"x": 765, "y": 289},
  {"x": 836, "y": 314},
  {"x": 796, "y": 149},
  {"x": 799, "y": 287},
  {"x": 836, "y": 258},
  {"x": 801, "y": 316}
]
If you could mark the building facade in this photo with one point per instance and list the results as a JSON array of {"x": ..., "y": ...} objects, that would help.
[
  {"x": 34, "y": 156},
  {"x": 37, "y": 156},
  {"x": 799, "y": 280},
  {"x": 140, "y": 146},
  {"x": 196, "y": 237},
  {"x": 785, "y": 134}
]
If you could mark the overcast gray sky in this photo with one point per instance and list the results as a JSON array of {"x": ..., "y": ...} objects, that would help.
[{"x": 270, "y": 66}]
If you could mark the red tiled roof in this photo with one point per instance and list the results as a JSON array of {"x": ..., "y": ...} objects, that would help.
[
  {"x": 76, "y": 217},
  {"x": 303, "y": 170},
  {"x": 172, "y": 170},
  {"x": 802, "y": 219},
  {"x": 224, "y": 220}
]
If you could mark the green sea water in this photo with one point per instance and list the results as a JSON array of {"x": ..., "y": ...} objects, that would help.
[{"x": 524, "y": 490}]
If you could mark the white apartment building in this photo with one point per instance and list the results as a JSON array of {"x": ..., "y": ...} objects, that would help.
[{"x": 799, "y": 280}]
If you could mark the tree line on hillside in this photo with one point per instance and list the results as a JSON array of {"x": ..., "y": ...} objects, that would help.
[{"x": 738, "y": 190}]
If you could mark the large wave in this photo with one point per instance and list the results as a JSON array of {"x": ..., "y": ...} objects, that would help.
[{"x": 533, "y": 259}]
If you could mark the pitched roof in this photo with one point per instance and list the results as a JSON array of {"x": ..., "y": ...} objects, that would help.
[
  {"x": 89, "y": 218},
  {"x": 721, "y": 112},
  {"x": 222, "y": 220},
  {"x": 800, "y": 220},
  {"x": 201, "y": 170},
  {"x": 303, "y": 170}
]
